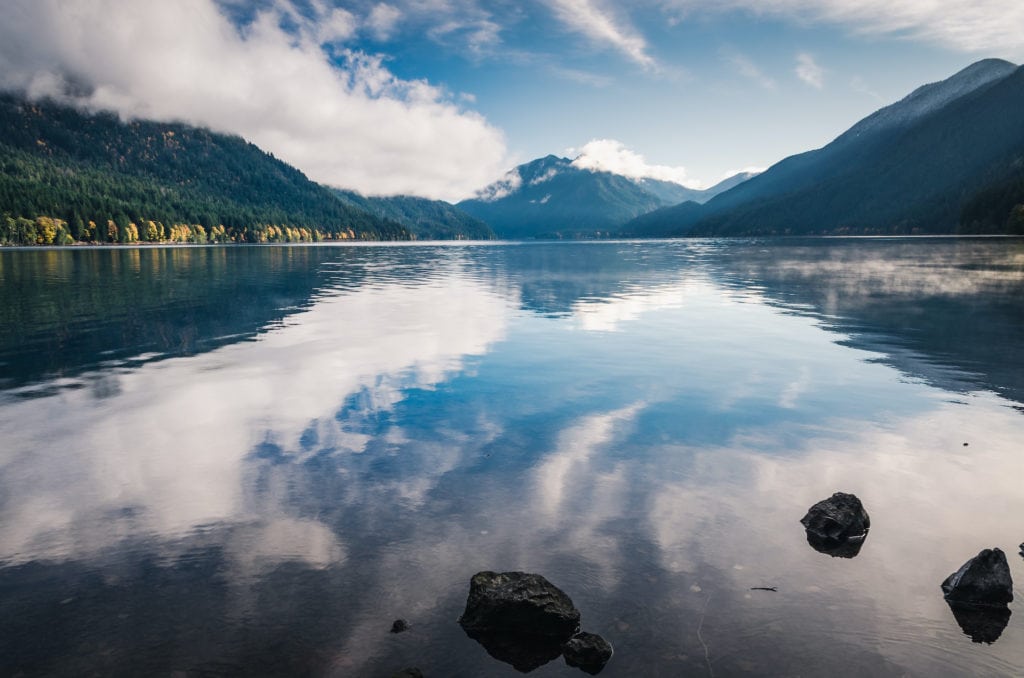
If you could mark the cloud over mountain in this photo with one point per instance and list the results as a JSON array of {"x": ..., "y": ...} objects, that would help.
[
  {"x": 282, "y": 79},
  {"x": 609, "y": 155}
]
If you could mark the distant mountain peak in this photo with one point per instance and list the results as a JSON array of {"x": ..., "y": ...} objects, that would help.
[{"x": 552, "y": 195}]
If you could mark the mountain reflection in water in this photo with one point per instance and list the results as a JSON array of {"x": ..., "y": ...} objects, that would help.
[{"x": 251, "y": 460}]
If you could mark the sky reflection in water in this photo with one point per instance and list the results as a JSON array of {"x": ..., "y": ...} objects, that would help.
[{"x": 644, "y": 424}]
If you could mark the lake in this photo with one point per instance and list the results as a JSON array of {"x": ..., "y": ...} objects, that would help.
[{"x": 251, "y": 460}]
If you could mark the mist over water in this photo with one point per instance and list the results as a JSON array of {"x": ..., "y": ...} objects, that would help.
[{"x": 251, "y": 460}]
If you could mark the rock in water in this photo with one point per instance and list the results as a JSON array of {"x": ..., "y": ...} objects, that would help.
[
  {"x": 982, "y": 580},
  {"x": 399, "y": 626},
  {"x": 408, "y": 673},
  {"x": 518, "y": 603},
  {"x": 1022, "y": 549},
  {"x": 587, "y": 651},
  {"x": 839, "y": 518}
]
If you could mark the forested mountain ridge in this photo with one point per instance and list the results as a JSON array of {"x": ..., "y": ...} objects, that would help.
[
  {"x": 425, "y": 219},
  {"x": 939, "y": 161},
  {"x": 67, "y": 175}
]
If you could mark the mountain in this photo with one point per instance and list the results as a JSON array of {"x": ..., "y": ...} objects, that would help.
[
  {"x": 999, "y": 206},
  {"x": 68, "y": 175},
  {"x": 911, "y": 167},
  {"x": 672, "y": 193},
  {"x": 425, "y": 219},
  {"x": 552, "y": 197}
]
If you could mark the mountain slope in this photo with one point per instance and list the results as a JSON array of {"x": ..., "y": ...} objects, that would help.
[
  {"x": 73, "y": 168},
  {"x": 999, "y": 206},
  {"x": 425, "y": 219},
  {"x": 908, "y": 168},
  {"x": 551, "y": 197}
]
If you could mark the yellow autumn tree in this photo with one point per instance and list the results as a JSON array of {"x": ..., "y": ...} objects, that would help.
[{"x": 46, "y": 230}]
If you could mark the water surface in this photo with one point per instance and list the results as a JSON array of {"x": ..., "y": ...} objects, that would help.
[{"x": 251, "y": 460}]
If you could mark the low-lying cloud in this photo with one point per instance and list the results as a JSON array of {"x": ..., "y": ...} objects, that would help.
[
  {"x": 284, "y": 81},
  {"x": 609, "y": 155}
]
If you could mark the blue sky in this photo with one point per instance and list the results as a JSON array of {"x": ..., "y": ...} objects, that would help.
[{"x": 439, "y": 97}]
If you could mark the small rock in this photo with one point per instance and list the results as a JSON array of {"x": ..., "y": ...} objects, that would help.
[
  {"x": 408, "y": 673},
  {"x": 519, "y": 603},
  {"x": 982, "y": 580},
  {"x": 399, "y": 625},
  {"x": 587, "y": 651},
  {"x": 1022, "y": 549},
  {"x": 839, "y": 518}
]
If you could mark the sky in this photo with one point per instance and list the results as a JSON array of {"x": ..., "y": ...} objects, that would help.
[{"x": 438, "y": 98}]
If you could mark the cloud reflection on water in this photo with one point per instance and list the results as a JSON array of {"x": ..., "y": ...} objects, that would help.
[
  {"x": 167, "y": 452},
  {"x": 397, "y": 437}
]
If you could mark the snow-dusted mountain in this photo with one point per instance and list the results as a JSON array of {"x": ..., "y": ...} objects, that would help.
[{"x": 553, "y": 197}]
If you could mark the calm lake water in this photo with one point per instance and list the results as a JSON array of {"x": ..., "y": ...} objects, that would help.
[{"x": 251, "y": 460}]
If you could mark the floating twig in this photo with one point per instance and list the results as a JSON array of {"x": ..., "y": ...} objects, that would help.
[{"x": 707, "y": 651}]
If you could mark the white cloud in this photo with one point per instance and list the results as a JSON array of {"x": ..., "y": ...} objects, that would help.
[
  {"x": 580, "y": 76},
  {"x": 989, "y": 26},
  {"x": 602, "y": 26},
  {"x": 382, "y": 20},
  {"x": 750, "y": 169},
  {"x": 477, "y": 37},
  {"x": 808, "y": 70},
  {"x": 609, "y": 155},
  {"x": 354, "y": 125},
  {"x": 748, "y": 69},
  {"x": 508, "y": 184},
  {"x": 335, "y": 26}
]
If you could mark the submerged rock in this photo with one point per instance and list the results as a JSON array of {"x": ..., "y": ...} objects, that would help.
[
  {"x": 518, "y": 603},
  {"x": 523, "y": 651},
  {"x": 587, "y": 651},
  {"x": 849, "y": 548},
  {"x": 840, "y": 518},
  {"x": 399, "y": 625},
  {"x": 408, "y": 673},
  {"x": 982, "y": 580},
  {"x": 983, "y": 623}
]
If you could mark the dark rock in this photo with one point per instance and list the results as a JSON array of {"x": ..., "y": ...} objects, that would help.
[
  {"x": 587, "y": 651},
  {"x": 983, "y": 623},
  {"x": 982, "y": 580},
  {"x": 399, "y": 625},
  {"x": 839, "y": 518},
  {"x": 1022, "y": 550},
  {"x": 408, "y": 673},
  {"x": 523, "y": 651},
  {"x": 518, "y": 603},
  {"x": 848, "y": 548}
]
